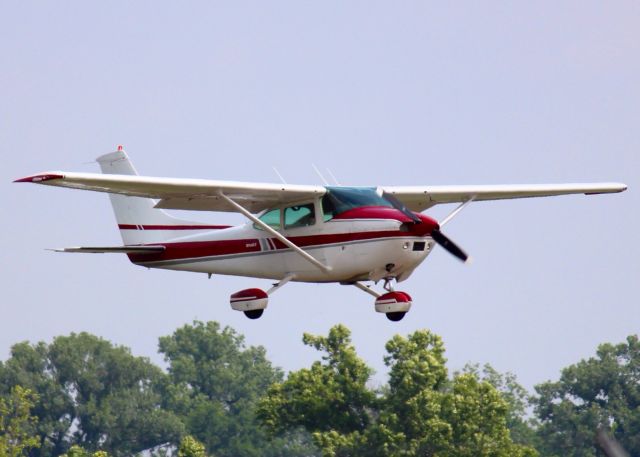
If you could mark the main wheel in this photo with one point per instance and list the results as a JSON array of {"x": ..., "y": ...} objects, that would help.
[
  {"x": 395, "y": 317},
  {"x": 256, "y": 313}
]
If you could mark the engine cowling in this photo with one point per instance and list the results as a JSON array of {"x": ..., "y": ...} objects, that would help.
[{"x": 249, "y": 300}]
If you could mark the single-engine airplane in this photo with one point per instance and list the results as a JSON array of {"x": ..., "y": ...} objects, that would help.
[{"x": 346, "y": 235}]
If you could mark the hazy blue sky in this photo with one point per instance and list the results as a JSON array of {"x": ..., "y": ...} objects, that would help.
[{"x": 397, "y": 93}]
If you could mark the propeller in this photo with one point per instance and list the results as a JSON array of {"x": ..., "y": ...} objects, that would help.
[
  {"x": 439, "y": 237},
  {"x": 449, "y": 245}
]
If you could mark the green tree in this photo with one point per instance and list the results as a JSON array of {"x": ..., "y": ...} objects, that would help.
[
  {"x": 191, "y": 447},
  {"x": 17, "y": 423},
  {"x": 478, "y": 417},
  {"x": 427, "y": 414},
  {"x": 330, "y": 400},
  {"x": 79, "y": 451},
  {"x": 603, "y": 391},
  {"x": 214, "y": 385},
  {"x": 328, "y": 396},
  {"x": 420, "y": 411},
  {"x": 92, "y": 394},
  {"x": 521, "y": 428},
  {"x": 411, "y": 419}
]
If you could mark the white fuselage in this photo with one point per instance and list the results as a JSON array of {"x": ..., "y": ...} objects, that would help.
[{"x": 354, "y": 249}]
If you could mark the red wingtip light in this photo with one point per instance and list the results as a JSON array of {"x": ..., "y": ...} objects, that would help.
[{"x": 39, "y": 178}]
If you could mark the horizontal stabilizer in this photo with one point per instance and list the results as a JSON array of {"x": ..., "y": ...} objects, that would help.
[{"x": 113, "y": 249}]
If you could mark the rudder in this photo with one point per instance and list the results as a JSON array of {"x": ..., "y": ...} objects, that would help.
[{"x": 138, "y": 219}]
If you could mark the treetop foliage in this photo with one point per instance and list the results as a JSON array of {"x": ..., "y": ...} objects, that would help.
[
  {"x": 91, "y": 393},
  {"x": 191, "y": 447},
  {"x": 420, "y": 412},
  {"x": 16, "y": 422},
  {"x": 600, "y": 392},
  {"x": 213, "y": 385},
  {"x": 82, "y": 396}
]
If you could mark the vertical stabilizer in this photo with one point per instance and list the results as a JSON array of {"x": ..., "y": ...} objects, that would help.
[{"x": 139, "y": 222}]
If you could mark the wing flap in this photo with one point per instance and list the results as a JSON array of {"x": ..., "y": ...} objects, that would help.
[
  {"x": 113, "y": 249},
  {"x": 419, "y": 198}
]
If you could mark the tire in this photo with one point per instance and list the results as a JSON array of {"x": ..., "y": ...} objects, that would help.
[
  {"x": 255, "y": 313},
  {"x": 395, "y": 317}
]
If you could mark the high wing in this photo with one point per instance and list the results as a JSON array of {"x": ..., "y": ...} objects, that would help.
[
  {"x": 419, "y": 198},
  {"x": 187, "y": 194},
  {"x": 207, "y": 195}
]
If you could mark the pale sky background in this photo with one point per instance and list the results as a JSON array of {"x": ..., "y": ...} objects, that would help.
[{"x": 396, "y": 93}]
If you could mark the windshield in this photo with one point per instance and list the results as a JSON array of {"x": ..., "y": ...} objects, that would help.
[{"x": 340, "y": 199}]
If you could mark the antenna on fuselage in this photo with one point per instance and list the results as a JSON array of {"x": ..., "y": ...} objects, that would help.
[
  {"x": 333, "y": 177},
  {"x": 326, "y": 183},
  {"x": 279, "y": 175}
]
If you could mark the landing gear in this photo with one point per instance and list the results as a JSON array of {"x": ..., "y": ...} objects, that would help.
[
  {"x": 256, "y": 313},
  {"x": 394, "y": 304},
  {"x": 252, "y": 302}
]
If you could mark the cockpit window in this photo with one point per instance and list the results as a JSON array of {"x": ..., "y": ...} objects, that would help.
[
  {"x": 337, "y": 200},
  {"x": 271, "y": 218},
  {"x": 299, "y": 216}
]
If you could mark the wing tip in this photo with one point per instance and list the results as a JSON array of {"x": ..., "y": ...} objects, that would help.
[
  {"x": 615, "y": 187},
  {"x": 40, "y": 177}
]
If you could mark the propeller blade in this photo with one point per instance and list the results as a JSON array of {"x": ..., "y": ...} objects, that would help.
[{"x": 449, "y": 245}]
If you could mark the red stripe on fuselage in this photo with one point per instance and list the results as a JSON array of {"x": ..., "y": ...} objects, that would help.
[
  {"x": 199, "y": 249},
  {"x": 195, "y": 249},
  {"x": 172, "y": 227}
]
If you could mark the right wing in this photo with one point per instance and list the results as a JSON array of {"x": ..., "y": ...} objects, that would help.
[{"x": 419, "y": 198}]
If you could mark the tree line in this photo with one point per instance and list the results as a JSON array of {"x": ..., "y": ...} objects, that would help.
[{"x": 82, "y": 396}]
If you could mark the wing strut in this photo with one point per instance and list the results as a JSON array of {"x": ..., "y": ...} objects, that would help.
[
  {"x": 277, "y": 234},
  {"x": 459, "y": 208}
]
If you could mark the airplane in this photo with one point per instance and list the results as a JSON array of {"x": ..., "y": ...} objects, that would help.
[{"x": 305, "y": 233}]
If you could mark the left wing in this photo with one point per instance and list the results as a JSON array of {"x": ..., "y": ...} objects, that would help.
[
  {"x": 178, "y": 193},
  {"x": 419, "y": 198}
]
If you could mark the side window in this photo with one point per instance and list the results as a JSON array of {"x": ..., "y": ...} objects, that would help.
[
  {"x": 299, "y": 216},
  {"x": 271, "y": 218}
]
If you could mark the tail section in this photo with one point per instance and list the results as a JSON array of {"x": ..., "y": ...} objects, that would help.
[{"x": 138, "y": 219}]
